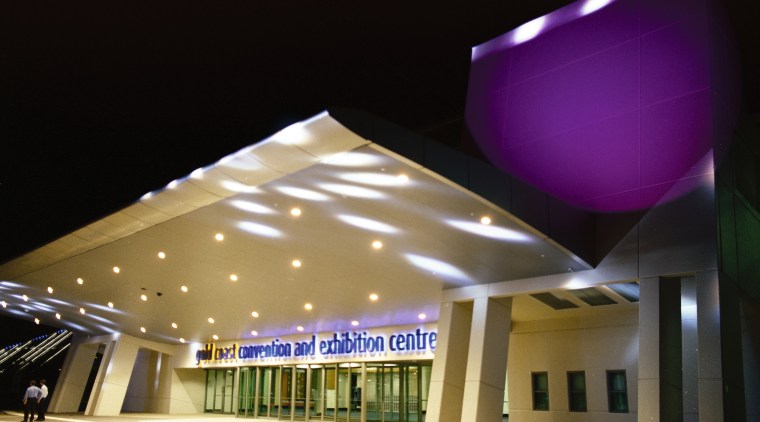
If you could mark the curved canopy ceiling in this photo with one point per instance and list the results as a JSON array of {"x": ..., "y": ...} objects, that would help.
[{"x": 313, "y": 215}]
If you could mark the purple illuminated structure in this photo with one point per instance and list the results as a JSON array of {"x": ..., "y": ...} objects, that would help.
[{"x": 608, "y": 105}]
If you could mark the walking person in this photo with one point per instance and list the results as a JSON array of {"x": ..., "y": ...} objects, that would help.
[
  {"x": 31, "y": 398},
  {"x": 42, "y": 403}
]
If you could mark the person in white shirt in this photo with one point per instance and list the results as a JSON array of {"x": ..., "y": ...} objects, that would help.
[
  {"x": 42, "y": 404},
  {"x": 32, "y": 396}
]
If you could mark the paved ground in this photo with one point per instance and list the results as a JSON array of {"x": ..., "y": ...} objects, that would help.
[{"x": 127, "y": 417}]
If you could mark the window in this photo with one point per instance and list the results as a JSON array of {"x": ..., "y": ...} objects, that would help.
[
  {"x": 617, "y": 393},
  {"x": 540, "y": 390},
  {"x": 576, "y": 391}
]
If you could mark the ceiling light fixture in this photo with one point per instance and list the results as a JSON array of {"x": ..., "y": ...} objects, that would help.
[
  {"x": 50, "y": 290},
  {"x": 161, "y": 255},
  {"x": 181, "y": 340},
  {"x": 374, "y": 297},
  {"x": 143, "y": 329},
  {"x": 254, "y": 333},
  {"x": 308, "y": 306},
  {"x": 299, "y": 328},
  {"x": 295, "y": 212},
  {"x": 422, "y": 316},
  {"x": 25, "y": 297},
  {"x": 296, "y": 263},
  {"x": 57, "y": 316},
  {"x": 219, "y": 237},
  {"x": 117, "y": 270},
  {"x": 37, "y": 321},
  {"x": 144, "y": 298},
  {"x": 110, "y": 304},
  {"x": 233, "y": 277},
  {"x": 354, "y": 323},
  {"x": 210, "y": 320},
  {"x": 377, "y": 244},
  {"x": 485, "y": 220},
  {"x": 82, "y": 311},
  {"x": 255, "y": 314},
  {"x": 80, "y": 281},
  {"x": 174, "y": 325},
  {"x": 184, "y": 289},
  {"x": 215, "y": 337}
]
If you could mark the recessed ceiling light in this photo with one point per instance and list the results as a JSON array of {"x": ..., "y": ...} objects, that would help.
[
  {"x": 354, "y": 323},
  {"x": 296, "y": 263},
  {"x": 210, "y": 320},
  {"x": 255, "y": 314},
  {"x": 82, "y": 311},
  {"x": 174, "y": 325},
  {"x": 5, "y": 305},
  {"x": 421, "y": 316},
  {"x": 25, "y": 297},
  {"x": 403, "y": 178},
  {"x": 57, "y": 316},
  {"x": 110, "y": 304},
  {"x": 295, "y": 212},
  {"x": 219, "y": 237},
  {"x": 184, "y": 289},
  {"x": 50, "y": 290},
  {"x": 377, "y": 244},
  {"x": 117, "y": 270},
  {"x": 181, "y": 340},
  {"x": 37, "y": 321},
  {"x": 161, "y": 255},
  {"x": 308, "y": 306},
  {"x": 80, "y": 281},
  {"x": 485, "y": 220},
  {"x": 254, "y": 333},
  {"x": 215, "y": 337},
  {"x": 143, "y": 329},
  {"x": 299, "y": 328},
  {"x": 374, "y": 297},
  {"x": 144, "y": 298},
  {"x": 233, "y": 277}
]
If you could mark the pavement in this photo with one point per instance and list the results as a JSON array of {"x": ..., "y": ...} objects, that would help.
[{"x": 9, "y": 415}]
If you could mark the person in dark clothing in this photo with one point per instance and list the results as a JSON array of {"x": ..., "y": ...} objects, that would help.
[{"x": 32, "y": 396}]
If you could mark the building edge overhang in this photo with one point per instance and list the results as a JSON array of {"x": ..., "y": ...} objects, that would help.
[{"x": 299, "y": 146}]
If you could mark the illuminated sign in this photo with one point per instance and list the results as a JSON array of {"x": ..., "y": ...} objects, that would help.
[{"x": 346, "y": 343}]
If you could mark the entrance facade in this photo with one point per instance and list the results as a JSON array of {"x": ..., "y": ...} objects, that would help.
[{"x": 361, "y": 392}]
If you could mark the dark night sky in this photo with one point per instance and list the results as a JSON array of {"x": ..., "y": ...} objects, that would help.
[{"x": 101, "y": 102}]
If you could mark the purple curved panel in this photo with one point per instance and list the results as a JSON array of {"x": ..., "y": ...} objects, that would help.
[{"x": 603, "y": 104}]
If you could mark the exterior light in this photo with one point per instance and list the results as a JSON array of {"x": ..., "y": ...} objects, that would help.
[
  {"x": 117, "y": 270},
  {"x": 219, "y": 237},
  {"x": 161, "y": 255},
  {"x": 374, "y": 297}
]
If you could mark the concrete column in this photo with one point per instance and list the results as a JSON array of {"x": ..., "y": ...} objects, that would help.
[
  {"x": 448, "y": 373},
  {"x": 71, "y": 383},
  {"x": 487, "y": 360},
  {"x": 689, "y": 349},
  {"x": 164, "y": 392},
  {"x": 649, "y": 350},
  {"x": 113, "y": 377},
  {"x": 710, "y": 375}
]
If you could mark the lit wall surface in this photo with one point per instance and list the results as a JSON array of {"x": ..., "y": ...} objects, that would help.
[{"x": 607, "y": 104}]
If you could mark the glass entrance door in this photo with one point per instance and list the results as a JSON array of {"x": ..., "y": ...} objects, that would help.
[
  {"x": 397, "y": 392},
  {"x": 219, "y": 391}
]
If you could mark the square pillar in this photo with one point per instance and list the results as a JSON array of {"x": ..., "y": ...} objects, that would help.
[
  {"x": 76, "y": 369},
  {"x": 710, "y": 372},
  {"x": 487, "y": 360},
  {"x": 447, "y": 376},
  {"x": 649, "y": 349},
  {"x": 113, "y": 377}
]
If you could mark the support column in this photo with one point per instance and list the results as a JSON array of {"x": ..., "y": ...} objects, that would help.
[
  {"x": 690, "y": 349},
  {"x": 710, "y": 374},
  {"x": 649, "y": 349},
  {"x": 113, "y": 377},
  {"x": 487, "y": 360},
  {"x": 164, "y": 393},
  {"x": 76, "y": 369},
  {"x": 448, "y": 373}
]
